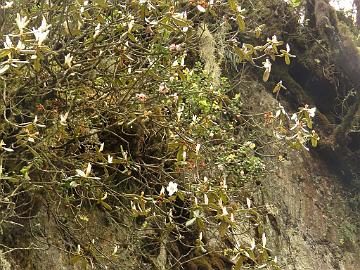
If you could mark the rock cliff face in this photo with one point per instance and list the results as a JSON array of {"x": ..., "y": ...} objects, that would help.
[
  {"x": 313, "y": 223},
  {"x": 315, "y": 226}
]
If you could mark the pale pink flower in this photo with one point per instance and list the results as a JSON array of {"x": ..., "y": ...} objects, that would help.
[{"x": 141, "y": 97}]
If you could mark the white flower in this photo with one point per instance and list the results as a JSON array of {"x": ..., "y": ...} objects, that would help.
[
  {"x": 8, "y": 4},
  {"x": 297, "y": 122},
  {"x": 263, "y": 240},
  {"x": 68, "y": 60},
  {"x": 280, "y": 111},
  {"x": 287, "y": 47},
  {"x": 224, "y": 211},
  {"x": 20, "y": 46},
  {"x": 63, "y": 118},
  {"x": 278, "y": 136},
  {"x": 2, "y": 144},
  {"x": 253, "y": 244},
  {"x": 184, "y": 16},
  {"x": 312, "y": 112},
  {"x": 36, "y": 122},
  {"x": 8, "y": 43},
  {"x": 201, "y": 8},
  {"x": 163, "y": 89},
  {"x": 40, "y": 36},
  {"x": 133, "y": 206},
  {"x": 21, "y": 22},
  {"x": 42, "y": 32},
  {"x": 115, "y": 250},
  {"x": 267, "y": 65},
  {"x": 141, "y": 97},
  {"x": 184, "y": 155},
  {"x": 223, "y": 184},
  {"x": 97, "y": 30},
  {"x": 44, "y": 26},
  {"x": 248, "y": 202},
  {"x": 86, "y": 173},
  {"x": 172, "y": 188},
  {"x": 197, "y": 149},
  {"x": 206, "y": 199},
  {"x": 110, "y": 159},
  {"x": 240, "y": 10},
  {"x": 274, "y": 40},
  {"x": 101, "y": 147}
]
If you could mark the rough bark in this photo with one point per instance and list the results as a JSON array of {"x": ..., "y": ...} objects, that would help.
[{"x": 356, "y": 4}]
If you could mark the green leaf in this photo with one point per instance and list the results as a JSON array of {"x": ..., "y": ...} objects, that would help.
[
  {"x": 295, "y": 3},
  {"x": 239, "y": 263},
  {"x": 105, "y": 205},
  {"x": 239, "y": 52},
  {"x": 223, "y": 228},
  {"x": 277, "y": 88},
  {"x": 37, "y": 65},
  {"x": 180, "y": 195},
  {"x": 266, "y": 75},
  {"x": 181, "y": 22},
  {"x": 201, "y": 224},
  {"x": 179, "y": 156},
  {"x": 308, "y": 121},
  {"x": 250, "y": 254},
  {"x": 4, "y": 52},
  {"x": 241, "y": 22},
  {"x": 314, "y": 142},
  {"x": 75, "y": 259},
  {"x": 101, "y": 3},
  {"x": 287, "y": 59},
  {"x": 132, "y": 37},
  {"x": 233, "y": 5}
]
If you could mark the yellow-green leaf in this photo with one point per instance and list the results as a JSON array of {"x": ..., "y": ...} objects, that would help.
[
  {"x": 287, "y": 59},
  {"x": 277, "y": 88},
  {"x": 241, "y": 22},
  {"x": 266, "y": 75},
  {"x": 239, "y": 52},
  {"x": 181, "y": 22},
  {"x": 314, "y": 142},
  {"x": 233, "y": 5},
  {"x": 223, "y": 228},
  {"x": 105, "y": 205},
  {"x": 37, "y": 65},
  {"x": 239, "y": 263},
  {"x": 4, "y": 52},
  {"x": 308, "y": 121},
  {"x": 179, "y": 156}
]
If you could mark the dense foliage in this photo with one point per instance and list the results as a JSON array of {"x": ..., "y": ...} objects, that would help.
[{"x": 122, "y": 106}]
